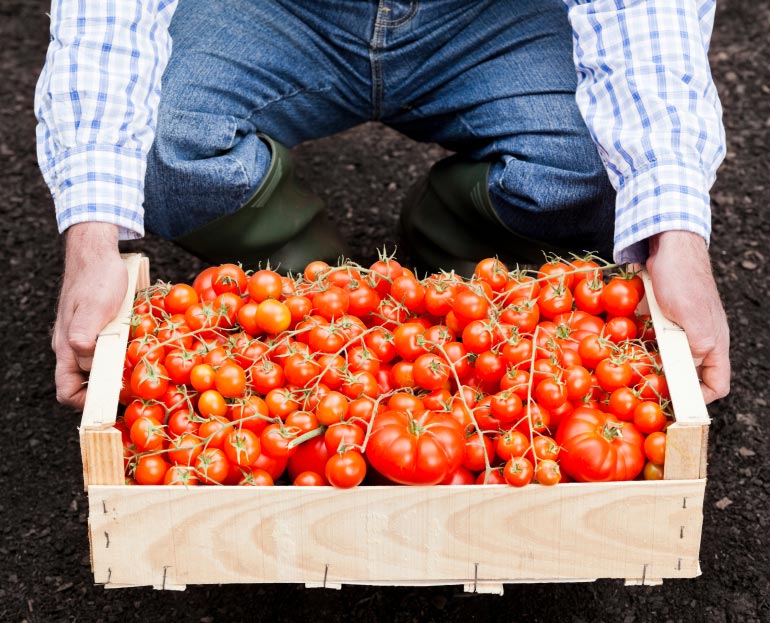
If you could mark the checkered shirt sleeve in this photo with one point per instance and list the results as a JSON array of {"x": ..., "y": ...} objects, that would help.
[
  {"x": 96, "y": 102},
  {"x": 646, "y": 93}
]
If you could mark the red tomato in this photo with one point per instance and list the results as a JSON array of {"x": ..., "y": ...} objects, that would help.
[
  {"x": 422, "y": 449},
  {"x": 150, "y": 470},
  {"x": 620, "y": 297},
  {"x": 598, "y": 448},
  {"x": 345, "y": 470},
  {"x": 518, "y": 471},
  {"x": 430, "y": 372},
  {"x": 655, "y": 447}
]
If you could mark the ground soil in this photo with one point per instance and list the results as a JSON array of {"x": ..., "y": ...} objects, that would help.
[{"x": 364, "y": 174}]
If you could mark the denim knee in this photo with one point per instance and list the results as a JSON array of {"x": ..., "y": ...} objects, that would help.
[
  {"x": 201, "y": 166},
  {"x": 567, "y": 201}
]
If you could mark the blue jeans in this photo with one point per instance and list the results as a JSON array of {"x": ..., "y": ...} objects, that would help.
[{"x": 491, "y": 79}]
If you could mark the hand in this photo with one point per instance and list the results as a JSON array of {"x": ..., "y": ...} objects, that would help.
[
  {"x": 685, "y": 289},
  {"x": 95, "y": 282}
]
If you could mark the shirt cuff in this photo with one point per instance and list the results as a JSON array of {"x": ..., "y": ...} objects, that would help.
[
  {"x": 100, "y": 183},
  {"x": 662, "y": 197}
]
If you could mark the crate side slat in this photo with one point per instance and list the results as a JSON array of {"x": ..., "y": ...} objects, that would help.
[
  {"x": 678, "y": 365},
  {"x": 100, "y": 446},
  {"x": 106, "y": 371},
  {"x": 402, "y": 535},
  {"x": 686, "y": 452}
]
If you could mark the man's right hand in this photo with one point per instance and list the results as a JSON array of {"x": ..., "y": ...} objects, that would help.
[{"x": 95, "y": 282}]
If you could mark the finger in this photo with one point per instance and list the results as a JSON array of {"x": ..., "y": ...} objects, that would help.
[
  {"x": 715, "y": 374},
  {"x": 70, "y": 380},
  {"x": 84, "y": 328}
]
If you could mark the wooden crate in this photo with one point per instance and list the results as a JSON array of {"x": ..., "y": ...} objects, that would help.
[{"x": 479, "y": 536}]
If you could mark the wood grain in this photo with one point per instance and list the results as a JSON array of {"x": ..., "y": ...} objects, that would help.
[{"x": 395, "y": 535}]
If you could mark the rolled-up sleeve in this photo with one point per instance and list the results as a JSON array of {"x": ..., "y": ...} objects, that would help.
[
  {"x": 96, "y": 102},
  {"x": 646, "y": 93}
]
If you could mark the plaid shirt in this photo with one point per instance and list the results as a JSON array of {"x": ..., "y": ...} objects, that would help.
[{"x": 644, "y": 89}]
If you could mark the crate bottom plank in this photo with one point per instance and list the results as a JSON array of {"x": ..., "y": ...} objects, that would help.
[{"x": 480, "y": 536}]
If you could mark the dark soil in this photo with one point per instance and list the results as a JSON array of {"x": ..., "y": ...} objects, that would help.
[{"x": 364, "y": 174}]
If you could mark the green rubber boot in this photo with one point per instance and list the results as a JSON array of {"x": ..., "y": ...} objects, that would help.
[
  {"x": 449, "y": 223},
  {"x": 280, "y": 222}
]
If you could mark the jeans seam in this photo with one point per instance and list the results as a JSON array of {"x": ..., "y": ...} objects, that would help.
[
  {"x": 244, "y": 175},
  {"x": 286, "y": 96}
]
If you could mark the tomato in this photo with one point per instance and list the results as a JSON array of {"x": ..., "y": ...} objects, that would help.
[
  {"x": 653, "y": 387},
  {"x": 150, "y": 470},
  {"x": 460, "y": 476},
  {"x": 149, "y": 381},
  {"x": 620, "y": 297},
  {"x": 613, "y": 374},
  {"x": 214, "y": 431},
  {"x": 547, "y": 473},
  {"x": 477, "y": 336},
  {"x": 331, "y": 302},
  {"x": 310, "y": 455},
  {"x": 249, "y": 413},
  {"x": 402, "y": 374},
  {"x": 430, "y": 372},
  {"x": 275, "y": 440},
  {"x": 147, "y": 434},
  {"x": 403, "y": 401},
  {"x": 183, "y": 420},
  {"x": 202, "y": 284},
  {"x": 593, "y": 349},
  {"x": 265, "y": 284},
  {"x": 415, "y": 449},
  {"x": 545, "y": 449},
  {"x": 649, "y": 417},
  {"x": 180, "y": 476},
  {"x": 141, "y": 325},
  {"x": 520, "y": 285},
  {"x": 229, "y": 278},
  {"x": 518, "y": 471},
  {"x": 147, "y": 348},
  {"x": 578, "y": 382},
  {"x": 490, "y": 366},
  {"x": 346, "y": 469},
  {"x": 381, "y": 343},
  {"x": 468, "y": 306},
  {"x": 556, "y": 272},
  {"x": 619, "y": 329},
  {"x": 212, "y": 466},
  {"x": 230, "y": 380},
  {"x": 139, "y": 408},
  {"x": 275, "y": 466},
  {"x": 281, "y": 402},
  {"x": 551, "y": 393},
  {"x": 554, "y": 299},
  {"x": 653, "y": 471},
  {"x": 407, "y": 341},
  {"x": 332, "y": 408},
  {"x": 309, "y": 479},
  {"x": 272, "y": 316},
  {"x": 409, "y": 292},
  {"x": 185, "y": 448},
  {"x": 479, "y": 452},
  {"x": 655, "y": 447},
  {"x": 439, "y": 294},
  {"x": 265, "y": 376},
  {"x": 623, "y": 402},
  {"x": 586, "y": 268},
  {"x": 363, "y": 300},
  {"x": 212, "y": 403},
  {"x": 255, "y": 477},
  {"x": 492, "y": 477},
  {"x": 506, "y": 406},
  {"x": 493, "y": 271},
  {"x": 511, "y": 444},
  {"x": 342, "y": 436},
  {"x": 242, "y": 447},
  {"x": 598, "y": 448},
  {"x": 588, "y": 296},
  {"x": 382, "y": 274}
]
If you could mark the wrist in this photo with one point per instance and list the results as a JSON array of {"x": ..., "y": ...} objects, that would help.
[
  {"x": 680, "y": 242},
  {"x": 92, "y": 241}
]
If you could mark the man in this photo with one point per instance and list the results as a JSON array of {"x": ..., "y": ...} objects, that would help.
[{"x": 203, "y": 160}]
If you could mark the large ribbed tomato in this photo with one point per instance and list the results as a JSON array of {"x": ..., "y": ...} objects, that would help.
[
  {"x": 415, "y": 449},
  {"x": 597, "y": 447}
]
